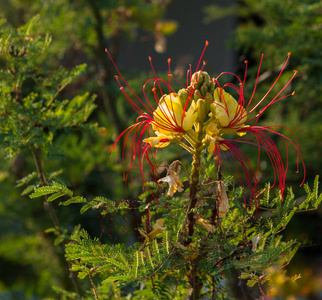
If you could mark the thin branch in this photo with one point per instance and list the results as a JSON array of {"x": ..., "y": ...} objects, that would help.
[
  {"x": 37, "y": 155},
  {"x": 92, "y": 282}
]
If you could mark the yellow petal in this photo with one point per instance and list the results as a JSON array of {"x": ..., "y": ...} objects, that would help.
[
  {"x": 212, "y": 129},
  {"x": 190, "y": 117},
  {"x": 226, "y": 109},
  {"x": 168, "y": 115},
  {"x": 159, "y": 141},
  {"x": 212, "y": 145},
  {"x": 219, "y": 111},
  {"x": 241, "y": 133}
]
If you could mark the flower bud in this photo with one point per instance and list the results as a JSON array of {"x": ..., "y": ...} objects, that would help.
[
  {"x": 204, "y": 89},
  {"x": 211, "y": 87},
  {"x": 208, "y": 100},
  {"x": 209, "y": 97},
  {"x": 206, "y": 78},
  {"x": 196, "y": 79},
  {"x": 183, "y": 96},
  {"x": 200, "y": 78},
  {"x": 201, "y": 107},
  {"x": 196, "y": 95}
]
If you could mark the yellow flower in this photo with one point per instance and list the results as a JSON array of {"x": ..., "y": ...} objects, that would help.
[
  {"x": 212, "y": 137},
  {"x": 212, "y": 129},
  {"x": 170, "y": 117},
  {"x": 213, "y": 141},
  {"x": 229, "y": 114},
  {"x": 159, "y": 141}
]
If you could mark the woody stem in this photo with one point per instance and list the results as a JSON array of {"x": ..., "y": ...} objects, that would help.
[
  {"x": 194, "y": 280},
  {"x": 195, "y": 172}
]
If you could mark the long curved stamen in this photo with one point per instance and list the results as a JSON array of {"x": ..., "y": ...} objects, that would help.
[
  {"x": 178, "y": 118},
  {"x": 272, "y": 86}
]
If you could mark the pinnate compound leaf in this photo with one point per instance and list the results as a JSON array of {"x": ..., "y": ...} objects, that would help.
[
  {"x": 77, "y": 199},
  {"x": 55, "y": 196},
  {"x": 26, "y": 179},
  {"x": 44, "y": 190}
]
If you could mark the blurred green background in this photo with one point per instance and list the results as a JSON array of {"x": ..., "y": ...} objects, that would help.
[{"x": 132, "y": 30}]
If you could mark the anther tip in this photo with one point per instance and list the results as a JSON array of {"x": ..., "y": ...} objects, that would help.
[
  {"x": 169, "y": 60},
  {"x": 116, "y": 77},
  {"x": 207, "y": 43},
  {"x": 150, "y": 58},
  {"x": 293, "y": 93},
  {"x": 288, "y": 54},
  {"x": 295, "y": 71}
]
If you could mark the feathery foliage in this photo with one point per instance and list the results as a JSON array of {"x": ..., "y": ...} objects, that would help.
[{"x": 246, "y": 242}]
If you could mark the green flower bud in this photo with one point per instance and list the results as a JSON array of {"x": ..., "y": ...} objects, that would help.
[
  {"x": 211, "y": 87},
  {"x": 196, "y": 79},
  {"x": 206, "y": 78},
  {"x": 204, "y": 89},
  {"x": 183, "y": 96},
  {"x": 208, "y": 100},
  {"x": 201, "y": 107},
  {"x": 196, "y": 95},
  {"x": 209, "y": 97}
]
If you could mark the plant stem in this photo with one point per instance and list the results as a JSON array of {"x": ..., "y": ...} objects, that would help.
[
  {"x": 37, "y": 155},
  {"x": 92, "y": 282},
  {"x": 41, "y": 174},
  {"x": 194, "y": 280},
  {"x": 195, "y": 172}
]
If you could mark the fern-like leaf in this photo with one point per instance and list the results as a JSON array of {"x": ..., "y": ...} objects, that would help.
[
  {"x": 26, "y": 179},
  {"x": 44, "y": 190}
]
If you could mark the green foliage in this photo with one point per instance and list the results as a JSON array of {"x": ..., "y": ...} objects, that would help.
[
  {"x": 42, "y": 114},
  {"x": 32, "y": 113},
  {"x": 247, "y": 241},
  {"x": 47, "y": 95}
]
